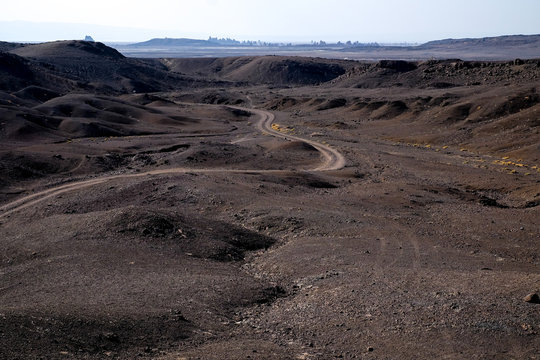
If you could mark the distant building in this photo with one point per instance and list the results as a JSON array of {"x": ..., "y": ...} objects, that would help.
[{"x": 88, "y": 38}]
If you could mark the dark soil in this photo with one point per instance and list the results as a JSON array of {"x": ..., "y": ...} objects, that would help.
[{"x": 170, "y": 224}]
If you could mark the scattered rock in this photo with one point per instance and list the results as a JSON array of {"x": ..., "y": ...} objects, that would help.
[
  {"x": 490, "y": 202},
  {"x": 532, "y": 298},
  {"x": 397, "y": 65}
]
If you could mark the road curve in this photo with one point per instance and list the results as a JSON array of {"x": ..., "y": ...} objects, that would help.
[
  {"x": 333, "y": 158},
  {"x": 333, "y": 161}
]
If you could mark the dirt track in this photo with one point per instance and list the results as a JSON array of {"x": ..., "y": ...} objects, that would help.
[{"x": 333, "y": 161}]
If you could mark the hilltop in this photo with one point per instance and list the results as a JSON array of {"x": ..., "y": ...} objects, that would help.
[
  {"x": 276, "y": 70},
  {"x": 67, "y": 49},
  {"x": 65, "y": 66}
]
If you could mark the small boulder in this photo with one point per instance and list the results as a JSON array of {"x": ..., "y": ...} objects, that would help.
[{"x": 532, "y": 298}]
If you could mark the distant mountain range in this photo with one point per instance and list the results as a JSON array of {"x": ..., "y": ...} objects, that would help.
[
  {"x": 507, "y": 47},
  {"x": 172, "y": 42},
  {"x": 169, "y": 42},
  {"x": 507, "y": 40}
]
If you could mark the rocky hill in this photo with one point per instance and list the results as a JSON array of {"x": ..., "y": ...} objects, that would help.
[
  {"x": 276, "y": 70},
  {"x": 88, "y": 66}
]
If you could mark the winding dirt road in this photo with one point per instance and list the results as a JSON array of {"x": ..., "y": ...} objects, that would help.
[{"x": 333, "y": 160}]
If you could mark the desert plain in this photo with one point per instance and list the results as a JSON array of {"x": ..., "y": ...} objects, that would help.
[{"x": 267, "y": 207}]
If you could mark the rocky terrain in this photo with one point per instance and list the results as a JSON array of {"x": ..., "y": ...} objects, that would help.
[{"x": 267, "y": 207}]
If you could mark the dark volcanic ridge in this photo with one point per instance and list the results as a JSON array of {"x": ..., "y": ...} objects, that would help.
[
  {"x": 275, "y": 70},
  {"x": 85, "y": 66}
]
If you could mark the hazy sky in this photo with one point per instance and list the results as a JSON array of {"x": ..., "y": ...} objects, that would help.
[{"x": 282, "y": 20}]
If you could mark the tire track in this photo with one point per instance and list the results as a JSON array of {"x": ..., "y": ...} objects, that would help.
[{"x": 333, "y": 160}]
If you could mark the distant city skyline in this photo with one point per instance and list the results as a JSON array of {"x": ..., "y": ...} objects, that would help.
[{"x": 390, "y": 21}]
